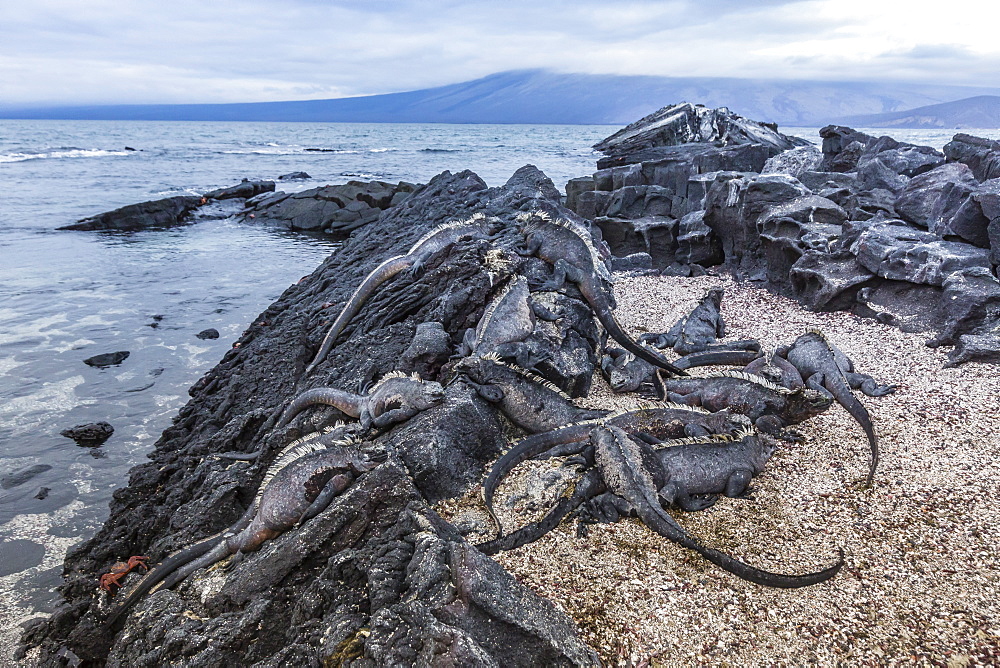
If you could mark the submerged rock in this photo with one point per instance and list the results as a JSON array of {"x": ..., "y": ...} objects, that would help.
[{"x": 107, "y": 359}]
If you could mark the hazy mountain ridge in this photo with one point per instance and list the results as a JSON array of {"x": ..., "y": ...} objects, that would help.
[
  {"x": 537, "y": 96},
  {"x": 982, "y": 111}
]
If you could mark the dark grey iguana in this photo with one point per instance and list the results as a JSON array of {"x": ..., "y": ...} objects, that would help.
[
  {"x": 770, "y": 406},
  {"x": 699, "y": 330},
  {"x": 506, "y": 323},
  {"x": 394, "y": 398},
  {"x": 570, "y": 249},
  {"x": 654, "y": 423},
  {"x": 530, "y": 402},
  {"x": 300, "y": 484},
  {"x": 702, "y": 468},
  {"x": 632, "y": 471},
  {"x": 436, "y": 240},
  {"x": 627, "y": 373},
  {"x": 826, "y": 369}
]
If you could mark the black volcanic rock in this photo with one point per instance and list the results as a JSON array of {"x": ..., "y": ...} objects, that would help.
[
  {"x": 378, "y": 577},
  {"x": 165, "y": 212},
  {"x": 107, "y": 359},
  {"x": 689, "y": 123},
  {"x": 294, "y": 176},
  {"x": 210, "y": 333},
  {"x": 244, "y": 190},
  {"x": 89, "y": 435},
  {"x": 335, "y": 209},
  {"x": 981, "y": 155},
  {"x": 942, "y": 201}
]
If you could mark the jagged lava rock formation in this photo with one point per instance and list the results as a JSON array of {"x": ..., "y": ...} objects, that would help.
[
  {"x": 903, "y": 233},
  {"x": 378, "y": 578}
]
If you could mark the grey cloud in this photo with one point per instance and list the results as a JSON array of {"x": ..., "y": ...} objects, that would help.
[{"x": 103, "y": 51}]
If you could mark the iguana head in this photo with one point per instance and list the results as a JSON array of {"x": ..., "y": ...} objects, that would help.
[
  {"x": 410, "y": 391},
  {"x": 803, "y": 404}
]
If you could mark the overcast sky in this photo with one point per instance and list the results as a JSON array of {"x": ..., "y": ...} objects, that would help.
[{"x": 110, "y": 51}]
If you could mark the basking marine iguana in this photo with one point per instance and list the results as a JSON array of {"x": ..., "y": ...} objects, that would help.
[
  {"x": 530, "y": 402},
  {"x": 653, "y": 424},
  {"x": 828, "y": 370},
  {"x": 770, "y": 406},
  {"x": 437, "y": 239},
  {"x": 394, "y": 398},
  {"x": 570, "y": 249},
  {"x": 633, "y": 471},
  {"x": 700, "y": 330},
  {"x": 506, "y": 323},
  {"x": 299, "y": 485}
]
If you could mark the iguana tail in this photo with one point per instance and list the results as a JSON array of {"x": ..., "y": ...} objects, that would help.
[
  {"x": 345, "y": 402},
  {"x": 657, "y": 519},
  {"x": 717, "y": 358},
  {"x": 161, "y": 572},
  {"x": 522, "y": 451},
  {"x": 599, "y": 303},
  {"x": 588, "y": 487},
  {"x": 377, "y": 277},
  {"x": 842, "y": 393}
]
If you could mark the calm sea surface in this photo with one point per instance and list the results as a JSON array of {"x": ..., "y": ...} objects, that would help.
[{"x": 65, "y": 296}]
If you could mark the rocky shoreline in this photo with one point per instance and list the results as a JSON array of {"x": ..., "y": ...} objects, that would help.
[{"x": 382, "y": 576}]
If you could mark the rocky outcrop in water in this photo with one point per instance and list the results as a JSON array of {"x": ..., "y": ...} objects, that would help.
[
  {"x": 165, "y": 212},
  {"x": 378, "y": 578},
  {"x": 903, "y": 233},
  {"x": 337, "y": 209}
]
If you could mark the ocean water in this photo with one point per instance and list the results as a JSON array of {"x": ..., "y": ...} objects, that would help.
[{"x": 65, "y": 296}]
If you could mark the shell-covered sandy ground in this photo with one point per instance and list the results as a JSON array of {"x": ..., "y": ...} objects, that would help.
[{"x": 921, "y": 578}]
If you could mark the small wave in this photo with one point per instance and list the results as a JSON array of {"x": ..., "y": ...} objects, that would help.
[
  {"x": 265, "y": 151},
  {"x": 364, "y": 175},
  {"x": 60, "y": 153},
  {"x": 440, "y": 150},
  {"x": 380, "y": 150}
]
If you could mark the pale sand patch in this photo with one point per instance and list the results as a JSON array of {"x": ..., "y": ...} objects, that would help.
[{"x": 922, "y": 572}]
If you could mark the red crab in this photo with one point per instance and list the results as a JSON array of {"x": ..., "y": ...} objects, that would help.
[{"x": 119, "y": 570}]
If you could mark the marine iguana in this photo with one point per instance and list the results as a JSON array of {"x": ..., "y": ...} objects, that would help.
[
  {"x": 506, "y": 323},
  {"x": 654, "y": 424},
  {"x": 300, "y": 484},
  {"x": 632, "y": 471},
  {"x": 699, "y": 330},
  {"x": 437, "y": 239},
  {"x": 394, "y": 398},
  {"x": 828, "y": 370},
  {"x": 707, "y": 466},
  {"x": 771, "y": 407},
  {"x": 328, "y": 436},
  {"x": 569, "y": 248},
  {"x": 530, "y": 402},
  {"x": 627, "y": 373}
]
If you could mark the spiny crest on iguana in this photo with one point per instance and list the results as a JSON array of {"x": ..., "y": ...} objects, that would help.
[
  {"x": 298, "y": 449},
  {"x": 451, "y": 224},
  {"x": 751, "y": 378},
  {"x": 395, "y": 374},
  {"x": 541, "y": 217},
  {"x": 709, "y": 438},
  {"x": 524, "y": 373}
]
